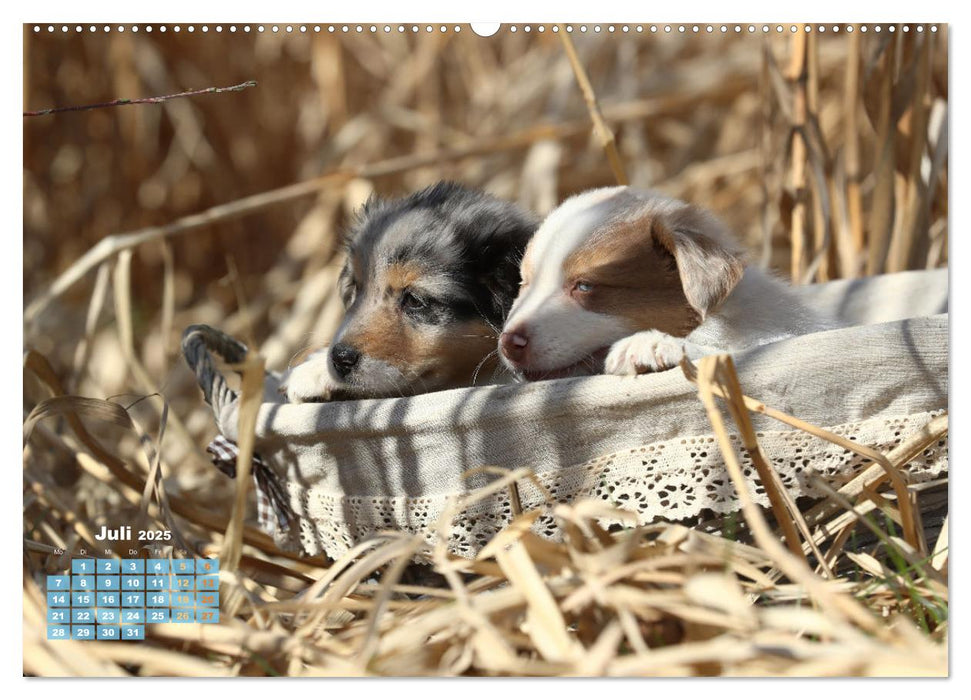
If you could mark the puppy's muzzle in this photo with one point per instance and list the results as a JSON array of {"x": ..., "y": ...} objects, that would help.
[
  {"x": 515, "y": 346},
  {"x": 344, "y": 358}
]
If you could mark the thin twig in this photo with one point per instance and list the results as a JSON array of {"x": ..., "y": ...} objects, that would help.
[{"x": 142, "y": 100}]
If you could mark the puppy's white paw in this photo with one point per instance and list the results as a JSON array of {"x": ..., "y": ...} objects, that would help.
[
  {"x": 649, "y": 351},
  {"x": 310, "y": 381}
]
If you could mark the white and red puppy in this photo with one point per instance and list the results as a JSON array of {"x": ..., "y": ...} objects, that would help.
[{"x": 621, "y": 281}]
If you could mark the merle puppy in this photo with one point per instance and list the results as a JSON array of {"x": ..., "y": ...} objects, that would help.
[{"x": 428, "y": 281}]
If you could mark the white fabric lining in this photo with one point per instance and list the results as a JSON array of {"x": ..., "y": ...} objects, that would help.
[{"x": 353, "y": 469}]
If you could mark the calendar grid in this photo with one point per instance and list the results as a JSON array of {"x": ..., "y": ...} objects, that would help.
[{"x": 113, "y": 599}]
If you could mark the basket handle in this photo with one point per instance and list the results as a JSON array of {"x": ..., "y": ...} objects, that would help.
[{"x": 199, "y": 341}]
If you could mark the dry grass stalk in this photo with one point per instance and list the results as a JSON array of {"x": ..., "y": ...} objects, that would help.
[
  {"x": 652, "y": 600},
  {"x": 600, "y": 127},
  {"x": 715, "y": 371},
  {"x": 798, "y": 76},
  {"x": 124, "y": 478},
  {"x": 784, "y": 508},
  {"x": 914, "y": 215},
  {"x": 876, "y": 475},
  {"x": 823, "y": 250},
  {"x": 250, "y": 399},
  {"x": 882, "y": 206},
  {"x": 940, "y": 557},
  {"x": 906, "y": 498},
  {"x": 95, "y": 307},
  {"x": 851, "y": 154},
  {"x": 768, "y": 213},
  {"x": 121, "y": 285}
]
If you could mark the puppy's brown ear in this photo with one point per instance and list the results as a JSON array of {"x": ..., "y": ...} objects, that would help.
[{"x": 709, "y": 264}]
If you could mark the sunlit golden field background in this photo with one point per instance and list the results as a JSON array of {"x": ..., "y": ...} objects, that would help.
[{"x": 825, "y": 152}]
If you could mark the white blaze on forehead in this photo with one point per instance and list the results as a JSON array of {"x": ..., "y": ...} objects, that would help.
[{"x": 563, "y": 231}]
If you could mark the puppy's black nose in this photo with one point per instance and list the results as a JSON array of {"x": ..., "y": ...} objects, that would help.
[
  {"x": 514, "y": 345},
  {"x": 345, "y": 358}
]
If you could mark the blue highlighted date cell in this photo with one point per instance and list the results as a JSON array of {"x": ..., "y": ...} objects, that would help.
[
  {"x": 132, "y": 600},
  {"x": 133, "y": 617},
  {"x": 83, "y": 616},
  {"x": 108, "y": 566},
  {"x": 108, "y": 616},
  {"x": 208, "y": 617},
  {"x": 183, "y": 566},
  {"x": 108, "y": 600},
  {"x": 182, "y": 600},
  {"x": 157, "y": 616},
  {"x": 109, "y": 632},
  {"x": 157, "y": 582},
  {"x": 186, "y": 615},
  {"x": 132, "y": 632},
  {"x": 207, "y": 599},
  {"x": 133, "y": 566},
  {"x": 58, "y": 583},
  {"x": 183, "y": 583},
  {"x": 58, "y": 600},
  {"x": 82, "y": 599},
  {"x": 82, "y": 583},
  {"x": 133, "y": 583},
  {"x": 157, "y": 566},
  {"x": 210, "y": 582},
  {"x": 58, "y": 631},
  {"x": 207, "y": 566},
  {"x": 157, "y": 600},
  {"x": 58, "y": 616},
  {"x": 83, "y": 566},
  {"x": 82, "y": 633},
  {"x": 108, "y": 583}
]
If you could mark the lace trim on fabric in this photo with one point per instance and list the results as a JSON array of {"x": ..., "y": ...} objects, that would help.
[{"x": 671, "y": 480}]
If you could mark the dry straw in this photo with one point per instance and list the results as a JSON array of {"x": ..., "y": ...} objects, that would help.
[
  {"x": 651, "y": 600},
  {"x": 848, "y": 173}
]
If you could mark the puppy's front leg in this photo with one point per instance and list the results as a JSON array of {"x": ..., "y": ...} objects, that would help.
[
  {"x": 311, "y": 380},
  {"x": 651, "y": 351}
]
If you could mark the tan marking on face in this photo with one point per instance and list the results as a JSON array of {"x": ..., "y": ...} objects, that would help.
[
  {"x": 380, "y": 332},
  {"x": 458, "y": 350},
  {"x": 633, "y": 276},
  {"x": 428, "y": 358},
  {"x": 379, "y": 329},
  {"x": 398, "y": 276}
]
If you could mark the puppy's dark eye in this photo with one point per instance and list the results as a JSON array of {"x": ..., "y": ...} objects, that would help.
[
  {"x": 412, "y": 302},
  {"x": 348, "y": 291},
  {"x": 583, "y": 287}
]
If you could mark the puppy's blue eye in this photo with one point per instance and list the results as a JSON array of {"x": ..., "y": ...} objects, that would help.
[{"x": 583, "y": 287}]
